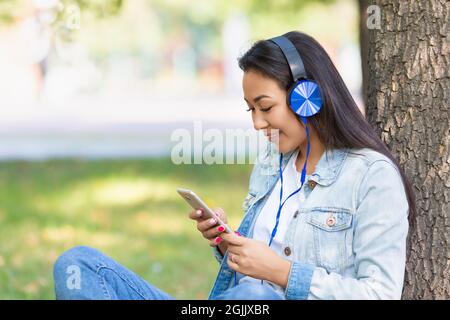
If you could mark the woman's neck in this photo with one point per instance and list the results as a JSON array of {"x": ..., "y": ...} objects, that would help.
[{"x": 315, "y": 153}]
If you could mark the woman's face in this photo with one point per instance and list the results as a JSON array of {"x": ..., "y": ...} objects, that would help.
[{"x": 270, "y": 112}]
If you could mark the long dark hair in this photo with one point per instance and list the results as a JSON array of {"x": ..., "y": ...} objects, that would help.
[{"x": 339, "y": 124}]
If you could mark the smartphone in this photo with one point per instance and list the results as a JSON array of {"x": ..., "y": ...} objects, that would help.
[{"x": 197, "y": 203}]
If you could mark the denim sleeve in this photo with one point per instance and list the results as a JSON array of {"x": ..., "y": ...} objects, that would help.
[
  {"x": 217, "y": 254},
  {"x": 299, "y": 281},
  {"x": 379, "y": 245}
]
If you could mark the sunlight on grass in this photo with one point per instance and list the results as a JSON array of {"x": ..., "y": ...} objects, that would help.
[
  {"x": 68, "y": 234},
  {"x": 128, "y": 192},
  {"x": 128, "y": 209},
  {"x": 145, "y": 222},
  {"x": 108, "y": 192}
]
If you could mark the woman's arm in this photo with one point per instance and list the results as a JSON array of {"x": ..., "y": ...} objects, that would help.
[{"x": 379, "y": 244}]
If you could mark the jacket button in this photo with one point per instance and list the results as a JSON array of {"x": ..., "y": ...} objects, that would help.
[
  {"x": 296, "y": 214},
  {"x": 312, "y": 184},
  {"x": 287, "y": 251},
  {"x": 331, "y": 221}
]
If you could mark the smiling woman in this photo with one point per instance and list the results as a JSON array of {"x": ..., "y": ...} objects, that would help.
[
  {"x": 339, "y": 124},
  {"x": 342, "y": 233},
  {"x": 271, "y": 114}
]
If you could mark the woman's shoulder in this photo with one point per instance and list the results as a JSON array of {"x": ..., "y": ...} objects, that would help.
[
  {"x": 368, "y": 157},
  {"x": 376, "y": 170},
  {"x": 372, "y": 168}
]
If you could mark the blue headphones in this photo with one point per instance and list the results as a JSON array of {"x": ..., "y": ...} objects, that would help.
[{"x": 303, "y": 97}]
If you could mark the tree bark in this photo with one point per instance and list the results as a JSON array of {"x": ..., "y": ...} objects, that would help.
[
  {"x": 363, "y": 45},
  {"x": 408, "y": 97}
]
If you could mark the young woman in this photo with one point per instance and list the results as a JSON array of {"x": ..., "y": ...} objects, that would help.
[{"x": 330, "y": 223}]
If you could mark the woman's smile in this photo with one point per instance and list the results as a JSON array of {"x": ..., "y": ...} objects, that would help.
[
  {"x": 272, "y": 134},
  {"x": 274, "y": 137}
]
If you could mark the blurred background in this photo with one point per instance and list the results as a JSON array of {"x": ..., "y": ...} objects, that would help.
[{"x": 90, "y": 92}]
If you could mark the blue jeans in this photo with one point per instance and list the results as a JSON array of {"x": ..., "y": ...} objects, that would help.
[{"x": 85, "y": 273}]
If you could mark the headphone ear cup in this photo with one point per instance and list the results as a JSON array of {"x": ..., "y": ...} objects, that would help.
[{"x": 304, "y": 98}]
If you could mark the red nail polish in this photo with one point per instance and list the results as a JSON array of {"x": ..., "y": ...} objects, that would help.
[
  {"x": 220, "y": 229},
  {"x": 218, "y": 240}
]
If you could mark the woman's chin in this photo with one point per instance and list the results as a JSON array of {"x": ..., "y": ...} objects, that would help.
[
  {"x": 285, "y": 148},
  {"x": 282, "y": 144}
]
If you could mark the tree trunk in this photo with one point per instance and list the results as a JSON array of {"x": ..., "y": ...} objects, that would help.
[
  {"x": 363, "y": 45},
  {"x": 408, "y": 97}
]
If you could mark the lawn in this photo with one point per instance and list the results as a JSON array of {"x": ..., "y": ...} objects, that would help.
[{"x": 128, "y": 209}]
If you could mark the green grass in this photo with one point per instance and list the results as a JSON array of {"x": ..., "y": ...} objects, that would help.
[{"x": 128, "y": 209}]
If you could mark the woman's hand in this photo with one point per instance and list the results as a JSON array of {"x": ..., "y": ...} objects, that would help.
[
  {"x": 256, "y": 259},
  {"x": 209, "y": 227}
]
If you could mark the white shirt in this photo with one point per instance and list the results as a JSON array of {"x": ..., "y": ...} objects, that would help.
[{"x": 267, "y": 217}]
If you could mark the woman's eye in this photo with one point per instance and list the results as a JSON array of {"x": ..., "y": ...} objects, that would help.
[
  {"x": 266, "y": 109},
  {"x": 262, "y": 109}
]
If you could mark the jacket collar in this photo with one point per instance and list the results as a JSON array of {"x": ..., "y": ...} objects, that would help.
[{"x": 328, "y": 168}]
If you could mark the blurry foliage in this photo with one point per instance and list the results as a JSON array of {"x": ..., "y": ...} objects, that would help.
[
  {"x": 199, "y": 12},
  {"x": 100, "y": 8},
  {"x": 154, "y": 21},
  {"x": 10, "y": 10},
  {"x": 211, "y": 15}
]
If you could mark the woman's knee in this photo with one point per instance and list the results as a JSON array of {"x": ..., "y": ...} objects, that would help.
[
  {"x": 71, "y": 267},
  {"x": 262, "y": 292},
  {"x": 76, "y": 256},
  {"x": 255, "y": 291}
]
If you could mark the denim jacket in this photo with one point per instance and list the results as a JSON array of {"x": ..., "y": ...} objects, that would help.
[{"x": 348, "y": 241}]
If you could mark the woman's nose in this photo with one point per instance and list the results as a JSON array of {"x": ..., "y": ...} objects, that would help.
[{"x": 259, "y": 123}]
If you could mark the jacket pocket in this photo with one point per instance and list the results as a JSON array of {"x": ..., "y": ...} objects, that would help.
[{"x": 332, "y": 235}]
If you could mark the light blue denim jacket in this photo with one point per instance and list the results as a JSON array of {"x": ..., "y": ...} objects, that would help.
[{"x": 348, "y": 241}]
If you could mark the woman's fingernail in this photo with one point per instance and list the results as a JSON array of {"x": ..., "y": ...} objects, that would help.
[
  {"x": 199, "y": 212},
  {"x": 238, "y": 233},
  {"x": 218, "y": 240},
  {"x": 220, "y": 229},
  {"x": 212, "y": 221}
]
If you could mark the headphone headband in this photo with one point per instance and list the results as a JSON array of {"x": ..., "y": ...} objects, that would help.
[{"x": 292, "y": 56}]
